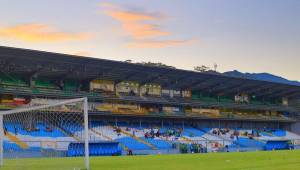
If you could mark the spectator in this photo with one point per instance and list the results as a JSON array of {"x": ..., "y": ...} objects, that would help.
[
  {"x": 49, "y": 129},
  {"x": 214, "y": 131},
  {"x": 226, "y": 148},
  {"x": 16, "y": 131},
  {"x": 146, "y": 135},
  {"x": 5, "y": 130},
  {"x": 157, "y": 133},
  {"x": 130, "y": 153}
]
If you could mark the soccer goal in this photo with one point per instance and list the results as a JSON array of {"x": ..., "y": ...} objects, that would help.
[{"x": 53, "y": 135}]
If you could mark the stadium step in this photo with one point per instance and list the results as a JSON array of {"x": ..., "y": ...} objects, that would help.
[
  {"x": 15, "y": 139},
  {"x": 186, "y": 139},
  {"x": 65, "y": 132},
  {"x": 268, "y": 133},
  {"x": 108, "y": 138},
  {"x": 139, "y": 139},
  {"x": 100, "y": 134}
]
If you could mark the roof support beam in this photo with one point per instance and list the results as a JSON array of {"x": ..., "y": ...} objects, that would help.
[
  {"x": 283, "y": 93},
  {"x": 174, "y": 81},
  {"x": 269, "y": 92},
  {"x": 288, "y": 94},
  {"x": 257, "y": 90},
  {"x": 240, "y": 89},
  {"x": 223, "y": 88},
  {"x": 272, "y": 94},
  {"x": 155, "y": 76},
  {"x": 210, "y": 86},
  {"x": 189, "y": 85},
  {"x": 127, "y": 77}
]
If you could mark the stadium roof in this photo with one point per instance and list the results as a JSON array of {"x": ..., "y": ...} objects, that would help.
[{"x": 62, "y": 66}]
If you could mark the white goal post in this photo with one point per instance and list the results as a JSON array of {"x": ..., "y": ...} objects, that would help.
[{"x": 17, "y": 122}]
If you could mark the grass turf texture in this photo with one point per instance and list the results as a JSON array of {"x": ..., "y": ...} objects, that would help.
[{"x": 277, "y": 160}]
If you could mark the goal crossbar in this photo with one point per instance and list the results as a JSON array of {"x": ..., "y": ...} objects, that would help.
[{"x": 41, "y": 107}]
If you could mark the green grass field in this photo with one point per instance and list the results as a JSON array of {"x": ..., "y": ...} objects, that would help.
[{"x": 279, "y": 160}]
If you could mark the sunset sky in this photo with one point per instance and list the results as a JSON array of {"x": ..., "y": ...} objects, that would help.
[{"x": 246, "y": 35}]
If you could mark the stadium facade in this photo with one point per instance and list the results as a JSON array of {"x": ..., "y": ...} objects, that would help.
[{"x": 149, "y": 109}]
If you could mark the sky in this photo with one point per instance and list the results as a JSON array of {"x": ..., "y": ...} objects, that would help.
[{"x": 245, "y": 35}]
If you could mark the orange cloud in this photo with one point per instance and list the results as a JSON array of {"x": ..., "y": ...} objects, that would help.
[
  {"x": 134, "y": 23},
  {"x": 156, "y": 43},
  {"x": 40, "y": 33},
  {"x": 129, "y": 16},
  {"x": 141, "y": 26}
]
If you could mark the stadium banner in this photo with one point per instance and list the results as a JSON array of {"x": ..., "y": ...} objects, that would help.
[
  {"x": 186, "y": 93},
  {"x": 150, "y": 89},
  {"x": 205, "y": 111},
  {"x": 127, "y": 87},
  {"x": 170, "y": 109},
  {"x": 119, "y": 108},
  {"x": 175, "y": 93},
  {"x": 64, "y": 108},
  {"x": 102, "y": 85},
  {"x": 285, "y": 101},
  {"x": 241, "y": 98},
  {"x": 102, "y": 107},
  {"x": 165, "y": 92}
]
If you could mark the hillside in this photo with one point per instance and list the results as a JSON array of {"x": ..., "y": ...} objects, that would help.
[{"x": 261, "y": 76}]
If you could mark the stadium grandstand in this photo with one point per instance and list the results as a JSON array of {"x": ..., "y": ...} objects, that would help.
[{"x": 140, "y": 109}]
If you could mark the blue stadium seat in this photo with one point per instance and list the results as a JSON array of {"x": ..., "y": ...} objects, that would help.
[
  {"x": 158, "y": 143},
  {"x": 95, "y": 149},
  {"x": 279, "y": 133},
  {"x": 132, "y": 143},
  {"x": 277, "y": 145},
  {"x": 195, "y": 132},
  {"x": 246, "y": 142}
]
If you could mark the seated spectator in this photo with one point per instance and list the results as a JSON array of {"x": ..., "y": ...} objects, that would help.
[
  {"x": 49, "y": 129},
  {"x": 223, "y": 132},
  {"x": 236, "y": 133},
  {"x": 157, "y": 133},
  {"x": 16, "y": 131},
  {"x": 214, "y": 132},
  {"x": 146, "y": 135},
  {"x": 152, "y": 132},
  {"x": 5, "y": 130},
  {"x": 117, "y": 130}
]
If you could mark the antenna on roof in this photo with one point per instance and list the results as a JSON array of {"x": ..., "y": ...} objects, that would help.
[{"x": 215, "y": 67}]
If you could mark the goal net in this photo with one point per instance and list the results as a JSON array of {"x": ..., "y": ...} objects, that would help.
[{"x": 45, "y": 136}]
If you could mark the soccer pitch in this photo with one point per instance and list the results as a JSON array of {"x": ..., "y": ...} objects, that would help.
[{"x": 277, "y": 160}]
